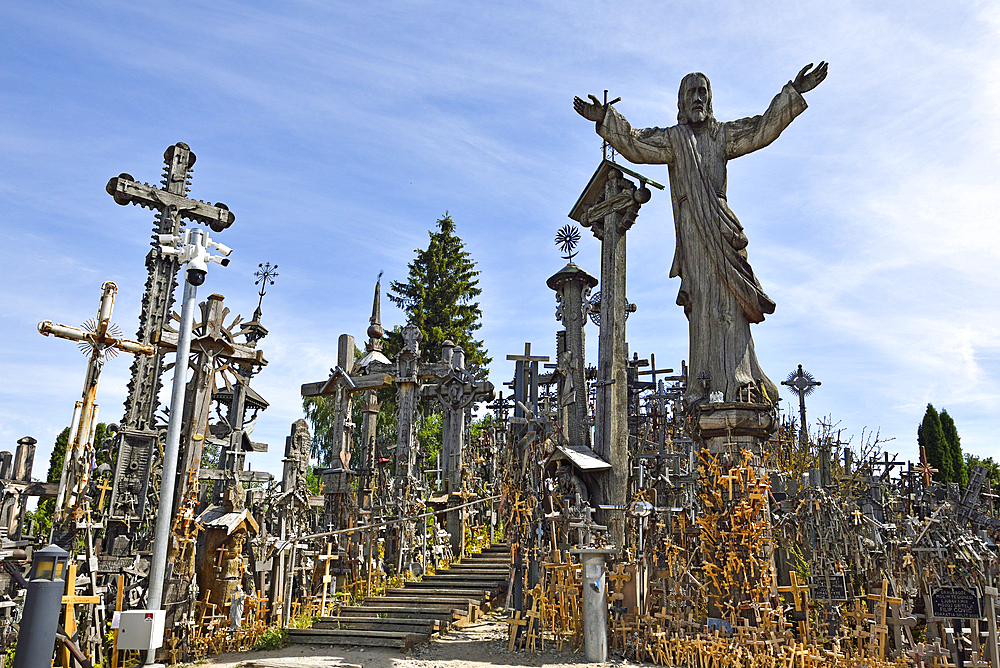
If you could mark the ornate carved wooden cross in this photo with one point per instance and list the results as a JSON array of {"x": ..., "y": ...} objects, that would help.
[{"x": 172, "y": 206}]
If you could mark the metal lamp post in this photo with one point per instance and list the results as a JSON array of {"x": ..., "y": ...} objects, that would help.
[
  {"x": 37, "y": 636},
  {"x": 192, "y": 248}
]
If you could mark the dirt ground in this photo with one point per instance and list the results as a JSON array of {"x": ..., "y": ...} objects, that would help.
[{"x": 477, "y": 645}]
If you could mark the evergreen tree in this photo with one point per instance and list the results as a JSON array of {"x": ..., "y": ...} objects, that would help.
[
  {"x": 930, "y": 436},
  {"x": 439, "y": 298},
  {"x": 959, "y": 473}
]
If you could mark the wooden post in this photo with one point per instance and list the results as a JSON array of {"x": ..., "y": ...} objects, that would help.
[
  {"x": 990, "y": 595},
  {"x": 609, "y": 206},
  {"x": 119, "y": 599}
]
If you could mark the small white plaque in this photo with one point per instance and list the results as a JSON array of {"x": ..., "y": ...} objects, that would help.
[{"x": 116, "y": 620}]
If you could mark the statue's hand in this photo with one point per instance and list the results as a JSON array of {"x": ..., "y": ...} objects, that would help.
[
  {"x": 806, "y": 80},
  {"x": 592, "y": 111}
]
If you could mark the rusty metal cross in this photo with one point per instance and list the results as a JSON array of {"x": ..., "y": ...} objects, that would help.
[{"x": 98, "y": 338}]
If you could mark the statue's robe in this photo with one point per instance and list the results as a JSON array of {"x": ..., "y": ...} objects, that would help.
[{"x": 719, "y": 292}]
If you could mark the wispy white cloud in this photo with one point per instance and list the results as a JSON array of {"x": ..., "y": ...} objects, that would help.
[{"x": 338, "y": 133}]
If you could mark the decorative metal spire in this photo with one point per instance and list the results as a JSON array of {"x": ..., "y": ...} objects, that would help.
[
  {"x": 802, "y": 383},
  {"x": 265, "y": 275},
  {"x": 375, "y": 331}
]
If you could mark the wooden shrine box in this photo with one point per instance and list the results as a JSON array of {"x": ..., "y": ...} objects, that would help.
[{"x": 336, "y": 481}]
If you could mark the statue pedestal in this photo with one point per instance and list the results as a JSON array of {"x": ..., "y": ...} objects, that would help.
[
  {"x": 730, "y": 436},
  {"x": 717, "y": 426}
]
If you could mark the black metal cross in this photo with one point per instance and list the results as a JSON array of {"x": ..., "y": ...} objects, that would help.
[{"x": 801, "y": 383}]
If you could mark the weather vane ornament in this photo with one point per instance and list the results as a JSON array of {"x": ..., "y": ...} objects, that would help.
[{"x": 567, "y": 238}]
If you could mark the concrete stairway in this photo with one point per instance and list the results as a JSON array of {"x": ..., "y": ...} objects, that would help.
[{"x": 410, "y": 614}]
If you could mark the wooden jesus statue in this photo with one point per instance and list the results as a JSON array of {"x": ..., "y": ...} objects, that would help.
[{"x": 719, "y": 292}]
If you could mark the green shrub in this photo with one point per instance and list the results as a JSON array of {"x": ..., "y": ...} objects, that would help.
[{"x": 273, "y": 638}]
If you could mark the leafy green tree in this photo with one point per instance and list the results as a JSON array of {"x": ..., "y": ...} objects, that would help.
[
  {"x": 42, "y": 516},
  {"x": 429, "y": 435},
  {"x": 439, "y": 297},
  {"x": 959, "y": 473},
  {"x": 321, "y": 411},
  {"x": 992, "y": 472},
  {"x": 930, "y": 436}
]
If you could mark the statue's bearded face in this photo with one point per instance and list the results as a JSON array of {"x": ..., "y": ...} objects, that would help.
[{"x": 695, "y": 100}]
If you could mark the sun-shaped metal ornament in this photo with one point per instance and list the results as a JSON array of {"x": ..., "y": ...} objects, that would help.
[
  {"x": 87, "y": 346},
  {"x": 567, "y": 238},
  {"x": 801, "y": 382}
]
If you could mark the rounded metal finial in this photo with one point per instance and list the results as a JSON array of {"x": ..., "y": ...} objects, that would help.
[{"x": 567, "y": 238}]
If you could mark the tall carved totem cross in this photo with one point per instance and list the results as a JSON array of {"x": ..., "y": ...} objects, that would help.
[{"x": 173, "y": 207}]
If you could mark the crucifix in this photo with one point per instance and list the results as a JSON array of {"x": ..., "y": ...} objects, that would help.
[
  {"x": 526, "y": 380},
  {"x": 609, "y": 206},
  {"x": 802, "y": 383},
  {"x": 327, "y": 578},
  {"x": 100, "y": 338},
  {"x": 456, "y": 391},
  {"x": 138, "y": 427}
]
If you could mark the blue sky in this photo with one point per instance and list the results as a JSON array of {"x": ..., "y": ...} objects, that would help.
[{"x": 339, "y": 132}]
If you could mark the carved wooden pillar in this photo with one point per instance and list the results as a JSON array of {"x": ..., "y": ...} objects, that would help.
[
  {"x": 572, "y": 285},
  {"x": 609, "y": 206}
]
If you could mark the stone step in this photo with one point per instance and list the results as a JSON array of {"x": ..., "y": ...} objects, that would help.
[
  {"x": 445, "y": 615},
  {"x": 489, "y": 585},
  {"x": 398, "y": 639},
  {"x": 478, "y": 594},
  {"x": 428, "y": 626},
  {"x": 482, "y": 581},
  {"x": 421, "y": 601},
  {"x": 495, "y": 571},
  {"x": 467, "y": 608},
  {"x": 482, "y": 563}
]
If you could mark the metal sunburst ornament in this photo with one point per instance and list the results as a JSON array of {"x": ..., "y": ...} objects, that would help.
[
  {"x": 801, "y": 382},
  {"x": 87, "y": 346},
  {"x": 567, "y": 238}
]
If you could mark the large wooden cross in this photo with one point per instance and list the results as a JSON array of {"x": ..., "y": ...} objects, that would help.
[
  {"x": 882, "y": 602},
  {"x": 327, "y": 578},
  {"x": 172, "y": 206},
  {"x": 214, "y": 348},
  {"x": 455, "y": 391},
  {"x": 138, "y": 438},
  {"x": 341, "y": 385},
  {"x": 800, "y": 599},
  {"x": 98, "y": 338}
]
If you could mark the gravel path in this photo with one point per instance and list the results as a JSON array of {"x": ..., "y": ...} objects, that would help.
[{"x": 475, "y": 646}]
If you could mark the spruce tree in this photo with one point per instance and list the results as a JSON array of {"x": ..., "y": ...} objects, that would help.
[
  {"x": 931, "y": 437},
  {"x": 959, "y": 473},
  {"x": 439, "y": 298}
]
